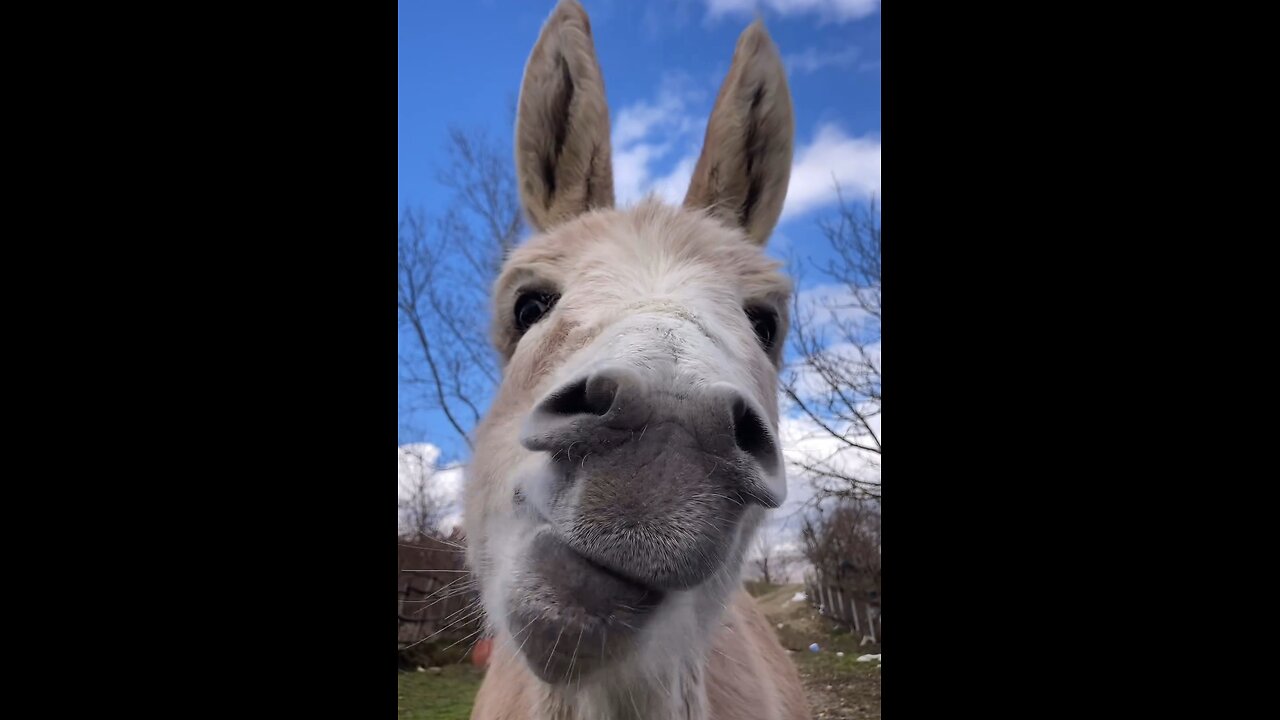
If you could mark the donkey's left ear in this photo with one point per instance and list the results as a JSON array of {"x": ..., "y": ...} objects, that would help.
[{"x": 745, "y": 165}]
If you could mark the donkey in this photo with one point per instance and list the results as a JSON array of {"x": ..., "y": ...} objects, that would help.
[{"x": 631, "y": 451}]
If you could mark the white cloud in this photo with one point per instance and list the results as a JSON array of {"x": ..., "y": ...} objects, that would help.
[
  {"x": 639, "y": 120},
  {"x": 832, "y": 305},
  {"x": 830, "y": 10},
  {"x": 656, "y": 143},
  {"x": 632, "y": 171},
  {"x": 646, "y": 136},
  {"x": 804, "y": 440},
  {"x": 418, "y": 463},
  {"x": 673, "y": 186},
  {"x": 634, "y": 174},
  {"x": 813, "y": 60},
  {"x": 414, "y": 460},
  {"x": 832, "y": 157},
  {"x": 850, "y": 333},
  {"x": 812, "y": 387}
]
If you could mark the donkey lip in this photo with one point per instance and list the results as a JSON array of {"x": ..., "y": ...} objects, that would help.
[
  {"x": 621, "y": 577},
  {"x": 586, "y": 581},
  {"x": 570, "y": 615}
]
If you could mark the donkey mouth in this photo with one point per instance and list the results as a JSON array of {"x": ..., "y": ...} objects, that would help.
[{"x": 570, "y": 615}]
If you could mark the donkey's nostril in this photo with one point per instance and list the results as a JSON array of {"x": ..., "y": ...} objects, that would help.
[
  {"x": 752, "y": 435},
  {"x": 601, "y": 393},
  {"x": 588, "y": 396}
]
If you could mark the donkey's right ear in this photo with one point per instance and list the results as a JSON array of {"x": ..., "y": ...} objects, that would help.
[{"x": 563, "y": 158}]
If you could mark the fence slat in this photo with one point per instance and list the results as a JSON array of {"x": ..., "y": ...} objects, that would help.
[{"x": 848, "y": 604}]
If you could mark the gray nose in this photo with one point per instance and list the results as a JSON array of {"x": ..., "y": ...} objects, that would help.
[{"x": 614, "y": 405}]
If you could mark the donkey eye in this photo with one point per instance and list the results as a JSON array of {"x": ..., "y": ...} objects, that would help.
[
  {"x": 531, "y": 307},
  {"x": 765, "y": 322}
]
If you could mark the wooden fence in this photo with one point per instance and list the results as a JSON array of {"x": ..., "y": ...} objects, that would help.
[
  {"x": 437, "y": 600},
  {"x": 855, "y": 608}
]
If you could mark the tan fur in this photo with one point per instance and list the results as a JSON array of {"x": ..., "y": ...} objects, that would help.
[
  {"x": 712, "y": 654},
  {"x": 749, "y": 670},
  {"x": 745, "y": 165}
]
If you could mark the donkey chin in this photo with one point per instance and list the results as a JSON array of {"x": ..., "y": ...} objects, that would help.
[{"x": 631, "y": 514}]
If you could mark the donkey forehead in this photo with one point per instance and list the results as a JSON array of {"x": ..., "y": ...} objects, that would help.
[{"x": 610, "y": 254}]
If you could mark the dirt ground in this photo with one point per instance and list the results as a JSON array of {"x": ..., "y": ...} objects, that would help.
[{"x": 836, "y": 686}]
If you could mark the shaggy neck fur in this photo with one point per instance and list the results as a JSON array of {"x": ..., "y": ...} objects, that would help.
[
  {"x": 675, "y": 689},
  {"x": 679, "y": 693}
]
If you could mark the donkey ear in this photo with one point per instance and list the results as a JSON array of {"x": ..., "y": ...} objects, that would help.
[
  {"x": 562, "y": 124},
  {"x": 745, "y": 164}
]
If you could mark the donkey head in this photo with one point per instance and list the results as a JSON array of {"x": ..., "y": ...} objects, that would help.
[{"x": 632, "y": 447}]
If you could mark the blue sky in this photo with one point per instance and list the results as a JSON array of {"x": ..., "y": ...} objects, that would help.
[{"x": 460, "y": 64}]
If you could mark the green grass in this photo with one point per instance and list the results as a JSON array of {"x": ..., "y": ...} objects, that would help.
[
  {"x": 840, "y": 687},
  {"x": 447, "y": 696},
  {"x": 825, "y": 665}
]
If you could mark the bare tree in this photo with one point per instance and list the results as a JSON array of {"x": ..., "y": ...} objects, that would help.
[
  {"x": 842, "y": 542},
  {"x": 834, "y": 380},
  {"x": 764, "y": 560},
  {"x": 445, "y": 268}
]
